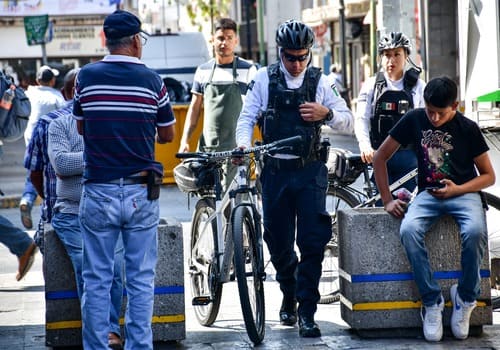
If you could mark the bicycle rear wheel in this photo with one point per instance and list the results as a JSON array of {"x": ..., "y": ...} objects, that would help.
[
  {"x": 329, "y": 289},
  {"x": 203, "y": 264},
  {"x": 248, "y": 263}
]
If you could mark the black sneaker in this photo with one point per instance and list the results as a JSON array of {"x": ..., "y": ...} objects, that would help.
[
  {"x": 288, "y": 311},
  {"x": 308, "y": 328}
]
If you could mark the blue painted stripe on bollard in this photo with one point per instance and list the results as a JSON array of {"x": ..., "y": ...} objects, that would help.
[
  {"x": 408, "y": 276},
  {"x": 71, "y": 294}
]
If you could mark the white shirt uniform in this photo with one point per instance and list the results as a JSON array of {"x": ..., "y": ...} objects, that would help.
[{"x": 257, "y": 97}]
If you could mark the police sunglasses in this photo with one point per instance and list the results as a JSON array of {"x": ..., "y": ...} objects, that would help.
[{"x": 293, "y": 58}]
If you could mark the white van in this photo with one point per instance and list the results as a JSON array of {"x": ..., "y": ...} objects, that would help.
[{"x": 175, "y": 57}]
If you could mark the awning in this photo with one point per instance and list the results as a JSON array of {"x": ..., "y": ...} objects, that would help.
[{"x": 490, "y": 97}]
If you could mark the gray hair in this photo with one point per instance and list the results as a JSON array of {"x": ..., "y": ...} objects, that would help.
[{"x": 115, "y": 44}]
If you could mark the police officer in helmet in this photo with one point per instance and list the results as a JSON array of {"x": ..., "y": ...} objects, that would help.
[
  {"x": 286, "y": 99},
  {"x": 384, "y": 99}
]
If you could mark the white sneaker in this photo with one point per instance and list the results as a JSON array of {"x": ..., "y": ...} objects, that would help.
[
  {"x": 433, "y": 321},
  {"x": 461, "y": 314}
]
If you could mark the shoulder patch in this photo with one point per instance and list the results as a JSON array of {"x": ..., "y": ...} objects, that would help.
[{"x": 335, "y": 90}]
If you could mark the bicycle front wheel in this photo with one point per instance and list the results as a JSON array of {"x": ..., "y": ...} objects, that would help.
[
  {"x": 329, "y": 289},
  {"x": 248, "y": 264},
  {"x": 203, "y": 263}
]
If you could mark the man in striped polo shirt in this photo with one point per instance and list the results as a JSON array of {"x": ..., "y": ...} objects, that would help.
[
  {"x": 121, "y": 107},
  {"x": 219, "y": 86}
]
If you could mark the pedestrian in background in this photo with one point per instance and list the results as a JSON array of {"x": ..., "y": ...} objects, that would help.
[
  {"x": 44, "y": 98},
  {"x": 337, "y": 83},
  {"x": 218, "y": 89},
  {"x": 36, "y": 158},
  {"x": 121, "y": 107},
  {"x": 19, "y": 244},
  {"x": 451, "y": 151},
  {"x": 384, "y": 99},
  {"x": 294, "y": 98}
]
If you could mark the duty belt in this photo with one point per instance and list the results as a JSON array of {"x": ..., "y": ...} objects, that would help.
[{"x": 284, "y": 163}]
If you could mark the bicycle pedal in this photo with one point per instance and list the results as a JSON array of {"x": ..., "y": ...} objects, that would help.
[{"x": 201, "y": 301}]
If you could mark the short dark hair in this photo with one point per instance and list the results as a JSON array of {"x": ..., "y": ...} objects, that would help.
[
  {"x": 225, "y": 23},
  {"x": 441, "y": 92}
]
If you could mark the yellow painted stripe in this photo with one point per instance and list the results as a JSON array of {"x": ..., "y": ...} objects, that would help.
[
  {"x": 63, "y": 325},
  {"x": 397, "y": 305},
  {"x": 169, "y": 319},
  {"x": 78, "y": 323}
]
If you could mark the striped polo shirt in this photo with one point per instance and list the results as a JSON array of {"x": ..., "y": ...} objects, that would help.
[{"x": 121, "y": 102}]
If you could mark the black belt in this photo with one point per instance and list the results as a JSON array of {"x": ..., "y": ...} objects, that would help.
[
  {"x": 131, "y": 180},
  {"x": 283, "y": 163}
]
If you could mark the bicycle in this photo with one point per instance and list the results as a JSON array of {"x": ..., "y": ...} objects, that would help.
[
  {"x": 226, "y": 233},
  {"x": 344, "y": 170},
  {"x": 342, "y": 195}
]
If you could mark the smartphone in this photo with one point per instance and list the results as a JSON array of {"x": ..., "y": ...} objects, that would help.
[{"x": 434, "y": 187}]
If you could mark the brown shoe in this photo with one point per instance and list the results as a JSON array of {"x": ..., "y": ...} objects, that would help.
[
  {"x": 25, "y": 209},
  {"x": 26, "y": 261},
  {"x": 114, "y": 341}
]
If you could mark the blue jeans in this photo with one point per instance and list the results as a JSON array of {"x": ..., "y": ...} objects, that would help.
[
  {"x": 17, "y": 240},
  {"x": 468, "y": 212},
  {"x": 29, "y": 193},
  {"x": 106, "y": 210},
  {"x": 67, "y": 227}
]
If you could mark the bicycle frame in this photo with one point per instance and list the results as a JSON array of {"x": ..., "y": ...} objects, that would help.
[{"x": 366, "y": 197}]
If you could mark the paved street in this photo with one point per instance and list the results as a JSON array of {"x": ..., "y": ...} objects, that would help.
[{"x": 22, "y": 304}]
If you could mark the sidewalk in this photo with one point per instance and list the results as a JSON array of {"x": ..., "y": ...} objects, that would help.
[
  {"x": 22, "y": 304},
  {"x": 22, "y": 315}
]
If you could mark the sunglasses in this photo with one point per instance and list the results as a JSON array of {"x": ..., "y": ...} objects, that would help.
[{"x": 293, "y": 58}]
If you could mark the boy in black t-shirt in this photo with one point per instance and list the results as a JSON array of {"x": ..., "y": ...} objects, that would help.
[{"x": 449, "y": 148}]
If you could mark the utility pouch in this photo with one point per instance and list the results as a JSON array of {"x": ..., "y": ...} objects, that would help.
[
  {"x": 154, "y": 182},
  {"x": 269, "y": 124},
  {"x": 324, "y": 150}
]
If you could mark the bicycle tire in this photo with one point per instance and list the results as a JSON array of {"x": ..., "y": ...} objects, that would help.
[
  {"x": 248, "y": 264},
  {"x": 204, "y": 282},
  {"x": 337, "y": 198},
  {"x": 493, "y": 224}
]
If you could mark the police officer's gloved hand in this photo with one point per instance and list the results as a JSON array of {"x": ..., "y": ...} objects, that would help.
[{"x": 237, "y": 155}]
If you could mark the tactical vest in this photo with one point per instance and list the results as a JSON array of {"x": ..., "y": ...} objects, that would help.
[
  {"x": 282, "y": 118},
  {"x": 390, "y": 106}
]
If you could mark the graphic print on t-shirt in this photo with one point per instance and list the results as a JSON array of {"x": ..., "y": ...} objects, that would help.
[{"x": 436, "y": 146}]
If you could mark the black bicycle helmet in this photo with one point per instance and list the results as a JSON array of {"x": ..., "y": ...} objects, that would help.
[
  {"x": 394, "y": 40},
  {"x": 294, "y": 35}
]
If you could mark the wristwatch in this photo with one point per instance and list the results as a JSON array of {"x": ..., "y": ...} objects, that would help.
[{"x": 329, "y": 115}]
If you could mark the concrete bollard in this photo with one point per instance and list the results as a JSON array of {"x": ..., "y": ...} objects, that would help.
[
  {"x": 378, "y": 294},
  {"x": 62, "y": 307}
]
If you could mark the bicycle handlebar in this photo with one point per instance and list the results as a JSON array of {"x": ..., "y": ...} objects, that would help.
[{"x": 266, "y": 148}]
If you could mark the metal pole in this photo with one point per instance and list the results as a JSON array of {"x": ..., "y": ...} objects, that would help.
[
  {"x": 423, "y": 37},
  {"x": 44, "y": 54},
  {"x": 249, "y": 30},
  {"x": 373, "y": 36},
  {"x": 343, "y": 47},
  {"x": 260, "y": 32}
]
